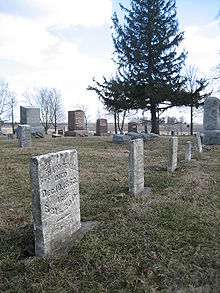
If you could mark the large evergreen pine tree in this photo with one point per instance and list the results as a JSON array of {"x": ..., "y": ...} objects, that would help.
[{"x": 146, "y": 54}]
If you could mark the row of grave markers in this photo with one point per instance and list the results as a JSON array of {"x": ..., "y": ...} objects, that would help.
[
  {"x": 136, "y": 160},
  {"x": 173, "y": 150},
  {"x": 55, "y": 192}
]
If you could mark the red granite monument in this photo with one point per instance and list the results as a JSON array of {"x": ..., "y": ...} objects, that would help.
[{"x": 76, "y": 124}]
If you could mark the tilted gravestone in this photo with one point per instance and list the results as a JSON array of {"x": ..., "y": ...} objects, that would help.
[
  {"x": 132, "y": 127},
  {"x": 101, "y": 127},
  {"x": 76, "y": 124},
  {"x": 24, "y": 136},
  {"x": 172, "y": 157},
  {"x": 188, "y": 151},
  {"x": 55, "y": 201},
  {"x": 31, "y": 116},
  {"x": 211, "y": 121},
  {"x": 136, "y": 167}
]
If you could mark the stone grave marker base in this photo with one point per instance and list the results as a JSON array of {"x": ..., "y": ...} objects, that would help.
[{"x": 79, "y": 133}]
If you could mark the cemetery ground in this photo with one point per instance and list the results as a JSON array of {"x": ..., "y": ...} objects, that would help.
[{"x": 165, "y": 242}]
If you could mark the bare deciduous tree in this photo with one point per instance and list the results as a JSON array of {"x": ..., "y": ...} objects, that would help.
[
  {"x": 195, "y": 86},
  {"x": 4, "y": 93},
  {"x": 50, "y": 104},
  {"x": 57, "y": 112},
  {"x": 11, "y": 104}
]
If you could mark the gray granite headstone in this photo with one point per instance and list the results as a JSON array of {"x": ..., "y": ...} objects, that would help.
[
  {"x": 211, "y": 121},
  {"x": 31, "y": 116},
  {"x": 55, "y": 201},
  {"x": 172, "y": 158},
  {"x": 197, "y": 142},
  {"x": 188, "y": 151},
  {"x": 136, "y": 167},
  {"x": 24, "y": 136}
]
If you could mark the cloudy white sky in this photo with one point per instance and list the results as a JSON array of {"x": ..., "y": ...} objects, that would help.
[{"x": 65, "y": 43}]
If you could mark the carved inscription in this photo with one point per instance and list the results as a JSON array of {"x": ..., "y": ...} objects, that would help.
[{"x": 58, "y": 193}]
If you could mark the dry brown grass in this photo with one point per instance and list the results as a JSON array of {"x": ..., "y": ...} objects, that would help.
[{"x": 167, "y": 242}]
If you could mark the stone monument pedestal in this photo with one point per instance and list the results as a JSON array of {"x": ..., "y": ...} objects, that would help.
[
  {"x": 81, "y": 133},
  {"x": 211, "y": 137}
]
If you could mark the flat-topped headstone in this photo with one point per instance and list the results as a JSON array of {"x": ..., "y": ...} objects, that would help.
[
  {"x": 188, "y": 151},
  {"x": 24, "y": 136},
  {"x": 101, "y": 127},
  {"x": 55, "y": 201},
  {"x": 172, "y": 157},
  {"x": 76, "y": 120},
  {"x": 197, "y": 142},
  {"x": 76, "y": 124},
  {"x": 31, "y": 116},
  {"x": 211, "y": 121},
  {"x": 132, "y": 127},
  {"x": 136, "y": 167}
]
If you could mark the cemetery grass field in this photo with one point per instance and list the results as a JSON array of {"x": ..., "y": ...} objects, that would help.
[{"x": 168, "y": 241}]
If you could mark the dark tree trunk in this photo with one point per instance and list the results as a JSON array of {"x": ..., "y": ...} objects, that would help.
[
  {"x": 191, "y": 120},
  {"x": 55, "y": 124},
  {"x": 12, "y": 120},
  {"x": 145, "y": 127},
  {"x": 154, "y": 120},
  {"x": 115, "y": 122}
]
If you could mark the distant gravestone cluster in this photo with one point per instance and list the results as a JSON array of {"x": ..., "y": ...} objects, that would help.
[{"x": 173, "y": 150}]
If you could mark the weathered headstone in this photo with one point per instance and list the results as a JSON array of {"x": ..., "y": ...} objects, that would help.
[
  {"x": 211, "y": 121},
  {"x": 101, "y": 127},
  {"x": 188, "y": 152},
  {"x": 197, "y": 142},
  {"x": 55, "y": 201},
  {"x": 132, "y": 127},
  {"x": 31, "y": 116},
  {"x": 24, "y": 136},
  {"x": 136, "y": 167},
  {"x": 76, "y": 124},
  {"x": 172, "y": 158}
]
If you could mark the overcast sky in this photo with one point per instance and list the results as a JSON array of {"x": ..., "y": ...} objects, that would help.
[{"x": 65, "y": 43}]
